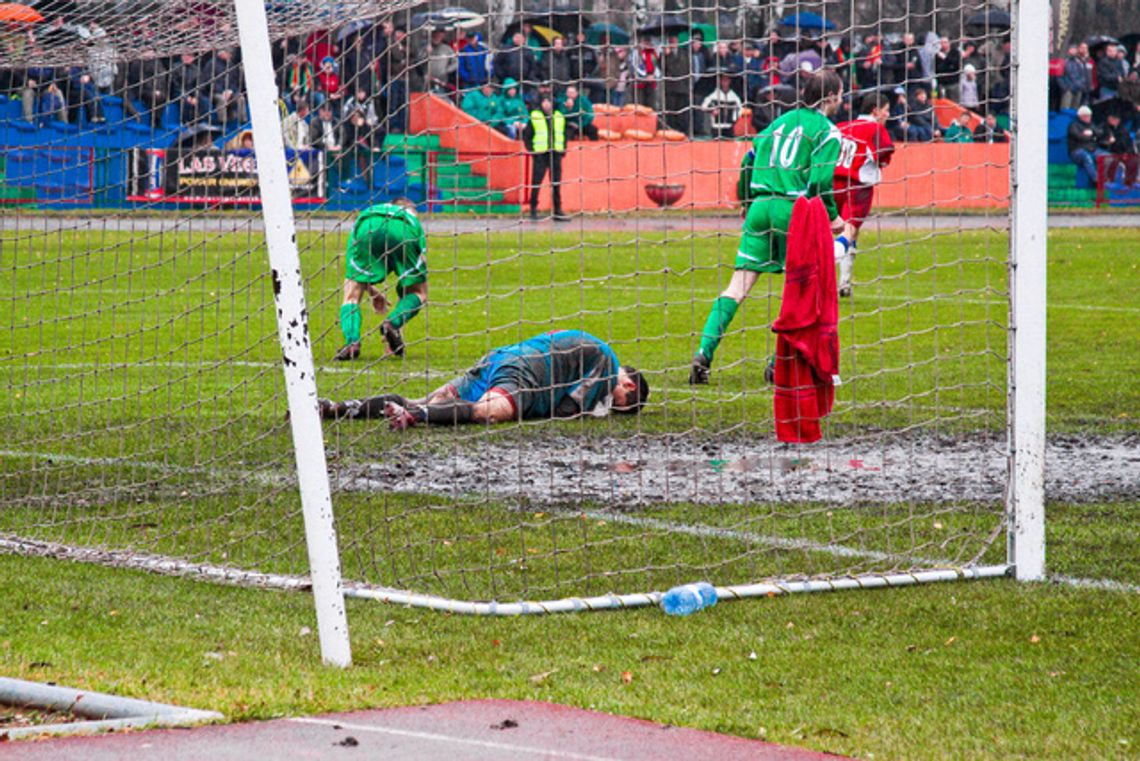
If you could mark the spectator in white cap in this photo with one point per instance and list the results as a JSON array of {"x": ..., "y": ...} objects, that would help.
[
  {"x": 1083, "y": 139},
  {"x": 968, "y": 87}
]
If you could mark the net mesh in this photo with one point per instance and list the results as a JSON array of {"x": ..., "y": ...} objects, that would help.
[{"x": 145, "y": 413}]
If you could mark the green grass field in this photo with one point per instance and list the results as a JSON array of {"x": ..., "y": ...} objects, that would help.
[{"x": 145, "y": 410}]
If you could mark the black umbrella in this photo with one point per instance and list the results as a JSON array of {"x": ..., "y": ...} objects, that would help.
[
  {"x": 1112, "y": 107},
  {"x": 189, "y": 137},
  {"x": 665, "y": 25},
  {"x": 1129, "y": 41},
  {"x": 1098, "y": 42},
  {"x": 989, "y": 20},
  {"x": 353, "y": 27},
  {"x": 564, "y": 19},
  {"x": 780, "y": 93}
]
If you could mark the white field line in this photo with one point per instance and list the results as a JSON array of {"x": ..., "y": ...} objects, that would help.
[
  {"x": 1105, "y": 584},
  {"x": 777, "y": 542},
  {"x": 528, "y": 751},
  {"x": 107, "y": 367},
  {"x": 947, "y": 299},
  {"x": 168, "y": 566},
  {"x": 256, "y": 477},
  {"x": 433, "y": 375}
]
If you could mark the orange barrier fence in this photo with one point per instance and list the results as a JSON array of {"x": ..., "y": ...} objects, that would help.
[{"x": 612, "y": 175}]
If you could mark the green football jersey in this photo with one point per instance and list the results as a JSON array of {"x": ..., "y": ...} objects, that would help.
[
  {"x": 399, "y": 220},
  {"x": 796, "y": 155}
]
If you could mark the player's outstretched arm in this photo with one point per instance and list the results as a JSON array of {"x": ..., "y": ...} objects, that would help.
[{"x": 359, "y": 409}]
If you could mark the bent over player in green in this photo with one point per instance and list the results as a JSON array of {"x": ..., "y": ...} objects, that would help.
[
  {"x": 387, "y": 239},
  {"x": 794, "y": 156}
]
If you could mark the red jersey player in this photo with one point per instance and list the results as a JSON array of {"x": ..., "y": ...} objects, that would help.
[{"x": 865, "y": 149}]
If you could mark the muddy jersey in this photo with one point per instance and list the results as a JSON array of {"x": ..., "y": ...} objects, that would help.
[{"x": 559, "y": 374}]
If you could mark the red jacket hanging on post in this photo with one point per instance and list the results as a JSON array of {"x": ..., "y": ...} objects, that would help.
[{"x": 807, "y": 343}]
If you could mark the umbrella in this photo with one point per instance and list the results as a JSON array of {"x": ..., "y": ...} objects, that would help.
[
  {"x": 595, "y": 33},
  {"x": 189, "y": 135},
  {"x": 1115, "y": 106},
  {"x": 780, "y": 93},
  {"x": 708, "y": 33},
  {"x": 1129, "y": 41},
  {"x": 14, "y": 13},
  {"x": 807, "y": 22},
  {"x": 665, "y": 25},
  {"x": 992, "y": 20},
  {"x": 459, "y": 18},
  {"x": 542, "y": 34},
  {"x": 564, "y": 19},
  {"x": 1098, "y": 42},
  {"x": 448, "y": 18},
  {"x": 353, "y": 27},
  {"x": 793, "y": 62}
]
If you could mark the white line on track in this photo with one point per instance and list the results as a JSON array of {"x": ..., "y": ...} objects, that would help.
[{"x": 533, "y": 751}]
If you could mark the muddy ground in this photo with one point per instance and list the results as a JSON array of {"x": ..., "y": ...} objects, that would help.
[{"x": 644, "y": 470}]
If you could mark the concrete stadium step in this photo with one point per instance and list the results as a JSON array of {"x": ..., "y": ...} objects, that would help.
[
  {"x": 417, "y": 142},
  {"x": 471, "y": 195},
  {"x": 453, "y": 170},
  {"x": 16, "y": 194},
  {"x": 459, "y": 181},
  {"x": 1063, "y": 171},
  {"x": 482, "y": 208},
  {"x": 1071, "y": 195}
]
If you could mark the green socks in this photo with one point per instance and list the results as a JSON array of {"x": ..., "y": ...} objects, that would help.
[
  {"x": 720, "y": 317},
  {"x": 350, "y": 323},
  {"x": 405, "y": 310}
]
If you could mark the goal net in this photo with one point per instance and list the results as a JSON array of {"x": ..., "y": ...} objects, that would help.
[{"x": 145, "y": 420}]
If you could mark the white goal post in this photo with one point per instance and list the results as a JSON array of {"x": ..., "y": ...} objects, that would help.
[{"x": 1028, "y": 258}]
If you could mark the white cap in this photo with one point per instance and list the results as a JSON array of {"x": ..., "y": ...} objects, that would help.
[
  {"x": 969, "y": 69},
  {"x": 1084, "y": 111}
]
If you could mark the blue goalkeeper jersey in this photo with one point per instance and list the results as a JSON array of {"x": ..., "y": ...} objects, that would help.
[{"x": 559, "y": 374}]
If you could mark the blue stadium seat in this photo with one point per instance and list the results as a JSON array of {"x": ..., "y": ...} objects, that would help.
[{"x": 1058, "y": 136}]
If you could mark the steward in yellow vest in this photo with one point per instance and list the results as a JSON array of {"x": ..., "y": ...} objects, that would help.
[{"x": 545, "y": 137}]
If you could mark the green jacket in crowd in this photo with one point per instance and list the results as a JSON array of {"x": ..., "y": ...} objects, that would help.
[
  {"x": 580, "y": 113},
  {"x": 485, "y": 108},
  {"x": 955, "y": 133},
  {"x": 511, "y": 109}
]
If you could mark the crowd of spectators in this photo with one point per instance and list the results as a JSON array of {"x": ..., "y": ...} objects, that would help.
[
  {"x": 345, "y": 89},
  {"x": 699, "y": 89},
  {"x": 702, "y": 90},
  {"x": 1102, "y": 84}
]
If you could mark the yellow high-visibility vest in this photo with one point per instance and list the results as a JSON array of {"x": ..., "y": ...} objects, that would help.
[{"x": 542, "y": 134}]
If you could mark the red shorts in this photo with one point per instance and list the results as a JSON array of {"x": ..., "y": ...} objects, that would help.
[{"x": 853, "y": 201}]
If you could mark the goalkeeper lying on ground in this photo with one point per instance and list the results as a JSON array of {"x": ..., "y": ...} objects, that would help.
[{"x": 562, "y": 374}]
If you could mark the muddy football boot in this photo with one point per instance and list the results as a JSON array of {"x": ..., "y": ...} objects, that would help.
[
  {"x": 699, "y": 370},
  {"x": 393, "y": 338},
  {"x": 348, "y": 352}
]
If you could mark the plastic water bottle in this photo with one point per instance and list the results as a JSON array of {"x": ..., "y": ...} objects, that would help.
[{"x": 688, "y": 598}]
